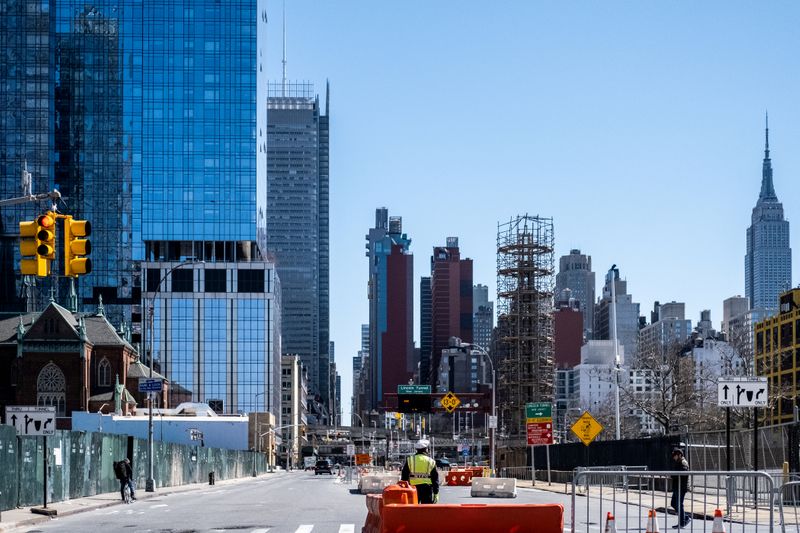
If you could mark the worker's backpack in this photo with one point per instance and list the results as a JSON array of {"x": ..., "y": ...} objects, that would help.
[{"x": 119, "y": 469}]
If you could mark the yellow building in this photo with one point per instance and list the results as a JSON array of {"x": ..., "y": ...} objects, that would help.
[{"x": 777, "y": 347}]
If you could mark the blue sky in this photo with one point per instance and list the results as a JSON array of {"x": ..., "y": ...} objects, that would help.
[{"x": 637, "y": 126}]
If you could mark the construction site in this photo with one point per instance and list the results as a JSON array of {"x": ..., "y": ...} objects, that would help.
[{"x": 523, "y": 346}]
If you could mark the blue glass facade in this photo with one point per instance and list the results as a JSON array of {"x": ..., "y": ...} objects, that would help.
[
  {"x": 203, "y": 120},
  {"x": 217, "y": 347}
]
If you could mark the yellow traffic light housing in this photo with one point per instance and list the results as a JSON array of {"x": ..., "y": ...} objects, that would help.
[
  {"x": 46, "y": 237},
  {"x": 31, "y": 263},
  {"x": 77, "y": 247}
]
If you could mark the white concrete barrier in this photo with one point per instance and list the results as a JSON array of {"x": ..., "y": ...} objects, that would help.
[
  {"x": 494, "y": 487},
  {"x": 375, "y": 483}
]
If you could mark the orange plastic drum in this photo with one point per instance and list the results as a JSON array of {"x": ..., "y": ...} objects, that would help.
[{"x": 402, "y": 493}]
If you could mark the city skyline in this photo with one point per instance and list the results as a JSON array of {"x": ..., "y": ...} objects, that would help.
[{"x": 656, "y": 109}]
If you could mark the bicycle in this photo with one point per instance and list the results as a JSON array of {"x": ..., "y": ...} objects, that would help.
[{"x": 126, "y": 493}]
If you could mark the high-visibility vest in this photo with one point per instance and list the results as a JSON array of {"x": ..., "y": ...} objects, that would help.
[{"x": 420, "y": 467}]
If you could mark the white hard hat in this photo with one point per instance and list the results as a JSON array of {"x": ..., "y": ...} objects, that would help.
[{"x": 421, "y": 444}]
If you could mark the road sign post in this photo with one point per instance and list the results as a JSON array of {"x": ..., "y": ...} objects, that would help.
[
  {"x": 750, "y": 391},
  {"x": 35, "y": 421}
]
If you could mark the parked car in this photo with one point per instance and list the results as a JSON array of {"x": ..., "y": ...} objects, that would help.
[
  {"x": 323, "y": 467},
  {"x": 442, "y": 463}
]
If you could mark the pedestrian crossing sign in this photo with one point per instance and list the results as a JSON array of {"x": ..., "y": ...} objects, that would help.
[{"x": 587, "y": 428}]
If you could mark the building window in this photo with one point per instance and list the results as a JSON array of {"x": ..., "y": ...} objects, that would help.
[
  {"x": 183, "y": 280},
  {"x": 104, "y": 373},
  {"x": 51, "y": 388},
  {"x": 251, "y": 281},
  {"x": 153, "y": 277},
  {"x": 215, "y": 280}
]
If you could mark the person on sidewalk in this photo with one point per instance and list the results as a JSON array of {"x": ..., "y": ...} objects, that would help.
[
  {"x": 680, "y": 486},
  {"x": 124, "y": 473},
  {"x": 420, "y": 470}
]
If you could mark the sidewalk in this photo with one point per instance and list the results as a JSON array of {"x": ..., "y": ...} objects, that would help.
[{"x": 16, "y": 518}]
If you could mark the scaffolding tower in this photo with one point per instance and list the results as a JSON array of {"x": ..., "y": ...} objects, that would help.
[{"x": 524, "y": 338}]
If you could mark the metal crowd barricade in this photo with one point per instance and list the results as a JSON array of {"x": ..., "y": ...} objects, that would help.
[
  {"x": 788, "y": 505},
  {"x": 745, "y": 499}
]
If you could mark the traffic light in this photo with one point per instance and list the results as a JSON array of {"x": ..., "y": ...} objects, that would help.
[
  {"x": 31, "y": 264},
  {"x": 76, "y": 247},
  {"x": 46, "y": 237},
  {"x": 414, "y": 403}
]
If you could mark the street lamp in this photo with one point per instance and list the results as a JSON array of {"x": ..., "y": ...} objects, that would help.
[
  {"x": 455, "y": 342},
  {"x": 612, "y": 273},
  {"x": 150, "y": 485}
]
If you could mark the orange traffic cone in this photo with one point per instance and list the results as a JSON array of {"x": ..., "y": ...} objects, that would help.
[
  {"x": 719, "y": 525},
  {"x": 610, "y": 526},
  {"x": 652, "y": 523}
]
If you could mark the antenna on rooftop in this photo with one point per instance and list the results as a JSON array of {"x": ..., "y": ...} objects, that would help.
[{"x": 283, "y": 85}]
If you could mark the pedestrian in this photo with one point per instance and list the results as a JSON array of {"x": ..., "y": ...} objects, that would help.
[
  {"x": 680, "y": 486},
  {"x": 124, "y": 473},
  {"x": 420, "y": 470}
]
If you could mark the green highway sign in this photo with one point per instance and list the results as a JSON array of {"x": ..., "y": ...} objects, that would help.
[
  {"x": 413, "y": 389},
  {"x": 538, "y": 410}
]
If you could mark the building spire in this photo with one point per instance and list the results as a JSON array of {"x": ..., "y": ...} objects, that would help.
[
  {"x": 283, "y": 84},
  {"x": 767, "y": 187}
]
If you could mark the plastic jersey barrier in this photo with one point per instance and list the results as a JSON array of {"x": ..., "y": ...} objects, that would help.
[{"x": 473, "y": 518}]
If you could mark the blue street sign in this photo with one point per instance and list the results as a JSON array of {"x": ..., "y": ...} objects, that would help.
[{"x": 150, "y": 385}]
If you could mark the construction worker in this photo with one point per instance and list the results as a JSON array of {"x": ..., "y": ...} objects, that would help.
[{"x": 420, "y": 470}]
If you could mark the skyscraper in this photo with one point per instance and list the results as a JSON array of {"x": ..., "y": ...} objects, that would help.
[
  {"x": 425, "y": 328},
  {"x": 297, "y": 223},
  {"x": 768, "y": 262},
  {"x": 391, "y": 308},
  {"x": 627, "y": 313},
  {"x": 575, "y": 273},
  {"x": 68, "y": 84},
  {"x": 451, "y": 302},
  {"x": 215, "y": 329},
  {"x": 482, "y": 317}
]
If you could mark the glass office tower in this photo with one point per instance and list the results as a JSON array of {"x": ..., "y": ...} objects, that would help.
[
  {"x": 203, "y": 198},
  {"x": 297, "y": 227}
]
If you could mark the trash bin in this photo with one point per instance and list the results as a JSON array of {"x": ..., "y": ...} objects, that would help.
[{"x": 211, "y": 478}]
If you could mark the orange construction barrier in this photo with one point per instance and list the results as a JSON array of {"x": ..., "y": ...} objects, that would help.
[
  {"x": 473, "y": 518},
  {"x": 374, "y": 506},
  {"x": 459, "y": 478},
  {"x": 477, "y": 471},
  {"x": 402, "y": 493}
]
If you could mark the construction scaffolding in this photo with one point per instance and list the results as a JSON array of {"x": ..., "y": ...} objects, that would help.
[{"x": 524, "y": 336}]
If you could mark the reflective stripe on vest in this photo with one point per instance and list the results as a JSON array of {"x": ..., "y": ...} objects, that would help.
[{"x": 419, "y": 468}]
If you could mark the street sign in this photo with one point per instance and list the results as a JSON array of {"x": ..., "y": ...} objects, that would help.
[
  {"x": 363, "y": 459},
  {"x": 745, "y": 392},
  {"x": 539, "y": 433},
  {"x": 150, "y": 385},
  {"x": 587, "y": 428},
  {"x": 351, "y": 449},
  {"x": 450, "y": 401},
  {"x": 413, "y": 389},
  {"x": 539, "y": 412},
  {"x": 31, "y": 419},
  {"x": 492, "y": 422}
]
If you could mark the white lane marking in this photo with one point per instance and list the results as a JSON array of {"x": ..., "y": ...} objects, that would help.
[
  {"x": 112, "y": 512},
  {"x": 347, "y": 528},
  {"x": 157, "y": 506},
  {"x": 260, "y": 530},
  {"x": 304, "y": 528}
]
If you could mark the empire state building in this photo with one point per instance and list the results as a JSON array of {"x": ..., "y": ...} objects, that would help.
[{"x": 768, "y": 263}]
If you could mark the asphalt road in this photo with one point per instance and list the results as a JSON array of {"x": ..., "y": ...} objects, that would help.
[{"x": 300, "y": 502}]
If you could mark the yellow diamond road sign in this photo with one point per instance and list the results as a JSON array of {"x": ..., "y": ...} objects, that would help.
[
  {"x": 450, "y": 401},
  {"x": 587, "y": 428}
]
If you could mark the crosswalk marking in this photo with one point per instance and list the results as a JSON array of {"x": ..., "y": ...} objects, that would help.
[
  {"x": 305, "y": 528},
  {"x": 347, "y": 528}
]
